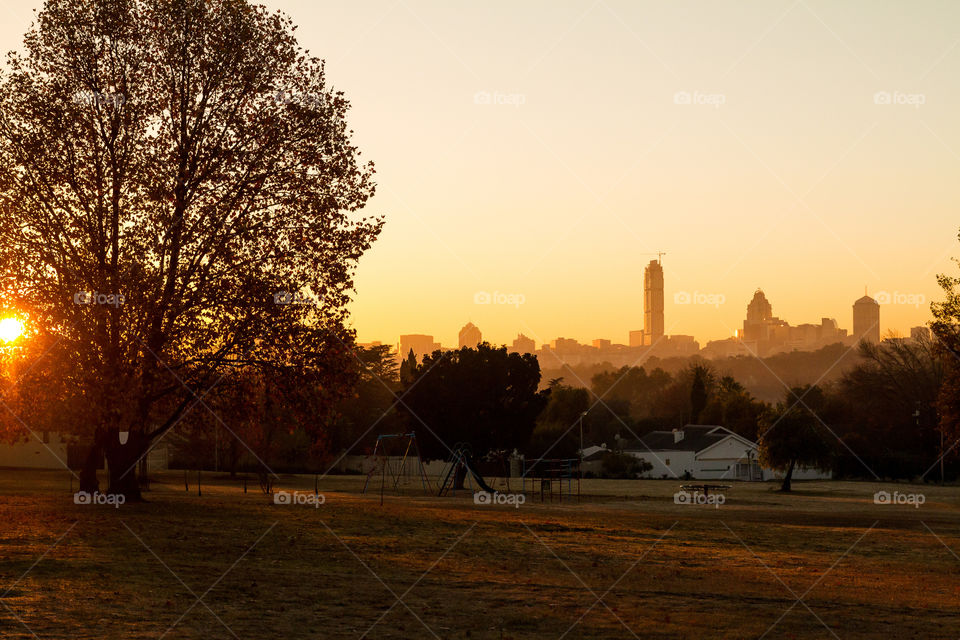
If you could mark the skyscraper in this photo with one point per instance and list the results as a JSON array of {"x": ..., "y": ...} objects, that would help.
[
  {"x": 652, "y": 303},
  {"x": 759, "y": 316},
  {"x": 470, "y": 336},
  {"x": 866, "y": 320}
]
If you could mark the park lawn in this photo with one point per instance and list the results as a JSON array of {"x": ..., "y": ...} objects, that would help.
[{"x": 625, "y": 561}]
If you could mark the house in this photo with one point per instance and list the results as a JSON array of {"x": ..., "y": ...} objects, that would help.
[
  {"x": 706, "y": 452},
  {"x": 53, "y": 450},
  {"x": 42, "y": 450}
]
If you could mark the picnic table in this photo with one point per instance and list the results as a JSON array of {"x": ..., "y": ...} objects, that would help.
[{"x": 705, "y": 489}]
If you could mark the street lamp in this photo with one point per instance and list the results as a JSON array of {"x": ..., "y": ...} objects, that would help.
[{"x": 580, "y": 466}]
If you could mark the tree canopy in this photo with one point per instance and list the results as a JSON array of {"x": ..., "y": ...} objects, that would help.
[
  {"x": 178, "y": 187},
  {"x": 485, "y": 398}
]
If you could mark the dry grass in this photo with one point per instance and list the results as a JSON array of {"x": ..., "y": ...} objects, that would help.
[{"x": 624, "y": 561}]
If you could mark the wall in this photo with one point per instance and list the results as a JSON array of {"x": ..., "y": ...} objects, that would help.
[{"x": 35, "y": 454}]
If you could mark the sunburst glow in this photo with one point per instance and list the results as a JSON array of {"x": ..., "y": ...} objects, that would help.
[{"x": 10, "y": 329}]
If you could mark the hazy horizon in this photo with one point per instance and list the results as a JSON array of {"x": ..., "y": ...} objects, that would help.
[{"x": 782, "y": 174}]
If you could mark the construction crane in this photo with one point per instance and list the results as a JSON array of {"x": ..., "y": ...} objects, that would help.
[{"x": 659, "y": 255}]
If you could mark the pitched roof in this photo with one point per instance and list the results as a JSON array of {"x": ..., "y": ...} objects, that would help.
[{"x": 696, "y": 437}]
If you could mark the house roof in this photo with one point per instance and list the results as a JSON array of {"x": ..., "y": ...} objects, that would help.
[{"x": 696, "y": 437}]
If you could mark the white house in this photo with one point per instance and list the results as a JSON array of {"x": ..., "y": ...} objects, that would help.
[
  {"x": 43, "y": 450},
  {"x": 706, "y": 452}
]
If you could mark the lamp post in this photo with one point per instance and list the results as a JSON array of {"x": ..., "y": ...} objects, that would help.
[{"x": 580, "y": 466}]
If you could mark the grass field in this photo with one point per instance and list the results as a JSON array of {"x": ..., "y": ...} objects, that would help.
[{"x": 624, "y": 562}]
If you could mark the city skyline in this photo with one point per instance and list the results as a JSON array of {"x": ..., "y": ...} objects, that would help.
[
  {"x": 567, "y": 194},
  {"x": 865, "y": 318}
]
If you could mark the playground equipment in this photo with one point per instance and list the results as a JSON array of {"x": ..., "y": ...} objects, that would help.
[
  {"x": 547, "y": 476},
  {"x": 460, "y": 463},
  {"x": 387, "y": 465}
]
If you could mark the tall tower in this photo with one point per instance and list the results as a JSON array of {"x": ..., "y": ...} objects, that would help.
[
  {"x": 759, "y": 315},
  {"x": 652, "y": 303},
  {"x": 866, "y": 320}
]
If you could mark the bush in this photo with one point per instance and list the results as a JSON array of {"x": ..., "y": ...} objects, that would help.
[{"x": 621, "y": 465}]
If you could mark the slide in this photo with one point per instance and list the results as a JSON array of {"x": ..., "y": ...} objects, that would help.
[{"x": 476, "y": 476}]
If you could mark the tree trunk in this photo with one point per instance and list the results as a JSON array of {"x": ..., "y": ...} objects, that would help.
[
  {"x": 122, "y": 462},
  {"x": 785, "y": 486},
  {"x": 88, "y": 474}
]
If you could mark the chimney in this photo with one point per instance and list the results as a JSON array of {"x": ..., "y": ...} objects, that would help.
[{"x": 677, "y": 435}]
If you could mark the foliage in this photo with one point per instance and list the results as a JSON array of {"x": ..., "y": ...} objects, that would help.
[
  {"x": 486, "y": 398},
  {"x": 622, "y": 465},
  {"x": 177, "y": 184},
  {"x": 794, "y": 435}
]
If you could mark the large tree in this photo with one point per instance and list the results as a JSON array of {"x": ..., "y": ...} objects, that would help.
[
  {"x": 795, "y": 434},
  {"x": 179, "y": 190},
  {"x": 485, "y": 398},
  {"x": 946, "y": 327}
]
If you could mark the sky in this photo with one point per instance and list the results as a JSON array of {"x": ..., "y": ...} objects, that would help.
[{"x": 532, "y": 157}]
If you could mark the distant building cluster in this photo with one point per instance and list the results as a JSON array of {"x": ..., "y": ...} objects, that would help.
[{"x": 763, "y": 334}]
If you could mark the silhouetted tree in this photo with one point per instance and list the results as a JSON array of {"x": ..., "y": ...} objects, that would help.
[
  {"x": 177, "y": 184},
  {"x": 370, "y": 410},
  {"x": 557, "y": 433},
  {"x": 946, "y": 327},
  {"x": 793, "y": 435},
  {"x": 731, "y": 406},
  {"x": 408, "y": 369},
  {"x": 485, "y": 398},
  {"x": 701, "y": 377}
]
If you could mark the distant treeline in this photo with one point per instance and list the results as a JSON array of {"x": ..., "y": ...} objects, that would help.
[
  {"x": 765, "y": 378},
  {"x": 870, "y": 412}
]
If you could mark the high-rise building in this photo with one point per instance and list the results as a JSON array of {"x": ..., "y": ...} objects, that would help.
[
  {"x": 470, "y": 336},
  {"x": 523, "y": 344},
  {"x": 866, "y": 320},
  {"x": 652, "y": 302},
  {"x": 760, "y": 322}
]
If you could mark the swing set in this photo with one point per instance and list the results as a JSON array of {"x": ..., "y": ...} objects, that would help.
[{"x": 393, "y": 468}]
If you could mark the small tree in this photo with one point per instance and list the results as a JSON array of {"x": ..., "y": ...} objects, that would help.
[{"x": 793, "y": 435}]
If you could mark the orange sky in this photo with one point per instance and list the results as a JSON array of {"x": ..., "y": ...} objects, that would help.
[{"x": 544, "y": 150}]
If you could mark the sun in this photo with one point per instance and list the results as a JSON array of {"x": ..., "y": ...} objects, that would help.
[{"x": 10, "y": 329}]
